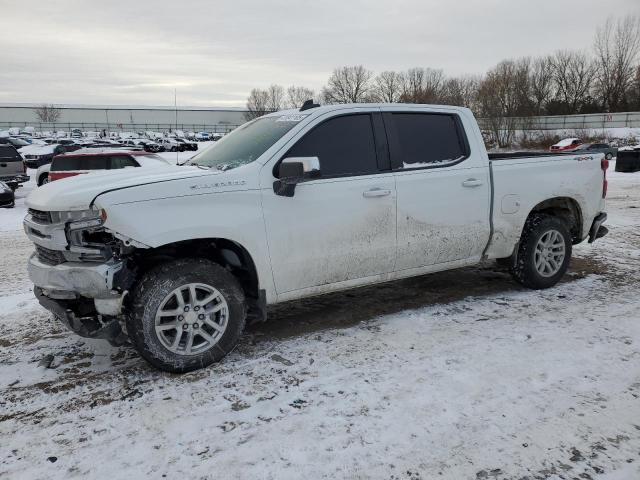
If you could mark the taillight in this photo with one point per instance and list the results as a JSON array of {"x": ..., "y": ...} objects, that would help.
[{"x": 604, "y": 165}]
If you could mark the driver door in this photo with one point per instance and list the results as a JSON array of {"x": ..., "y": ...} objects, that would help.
[{"x": 341, "y": 226}]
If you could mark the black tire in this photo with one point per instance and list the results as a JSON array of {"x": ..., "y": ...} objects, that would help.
[
  {"x": 608, "y": 156},
  {"x": 524, "y": 271},
  {"x": 155, "y": 286},
  {"x": 44, "y": 179}
]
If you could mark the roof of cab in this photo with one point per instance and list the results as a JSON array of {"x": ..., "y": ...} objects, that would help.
[{"x": 319, "y": 110}]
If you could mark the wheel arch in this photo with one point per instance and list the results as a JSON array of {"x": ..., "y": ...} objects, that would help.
[
  {"x": 566, "y": 208},
  {"x": 228, "y": 253}
]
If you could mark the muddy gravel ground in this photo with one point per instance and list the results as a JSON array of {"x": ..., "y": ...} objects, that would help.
[{"x": 461, "y": 374}]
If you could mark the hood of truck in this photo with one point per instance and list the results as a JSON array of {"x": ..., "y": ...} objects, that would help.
[{"x": 77, "y": 193}]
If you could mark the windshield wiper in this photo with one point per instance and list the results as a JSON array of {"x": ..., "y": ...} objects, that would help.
[{"x": 189, "y": 164}]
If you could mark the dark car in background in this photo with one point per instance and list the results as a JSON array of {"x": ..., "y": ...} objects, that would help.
[
  {"x": 609, "y": 151},
  {"x": 12, "y": 168},
  {"x": 16, "y": 142},
  {"x": 37, "y": 157},
  {"x": 190, "y": 146},
  {"x": 7, "y": 197}
]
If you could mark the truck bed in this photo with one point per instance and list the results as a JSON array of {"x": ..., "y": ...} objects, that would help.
[{"x": 521, "y": 181}]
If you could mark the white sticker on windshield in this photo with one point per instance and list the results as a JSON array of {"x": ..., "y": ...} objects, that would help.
[{"x": 293, "y": 117}]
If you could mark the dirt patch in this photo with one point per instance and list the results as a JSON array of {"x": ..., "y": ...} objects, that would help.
[{"x": 350, "y": 307}]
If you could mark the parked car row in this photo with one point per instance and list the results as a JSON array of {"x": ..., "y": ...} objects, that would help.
[{"x": 27, "y": 134}]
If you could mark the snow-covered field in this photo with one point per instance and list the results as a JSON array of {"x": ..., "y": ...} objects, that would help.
[{"x": 457, "y": 375}]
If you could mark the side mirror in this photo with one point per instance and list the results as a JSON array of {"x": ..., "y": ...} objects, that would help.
[{"x": 294, "y": 170}]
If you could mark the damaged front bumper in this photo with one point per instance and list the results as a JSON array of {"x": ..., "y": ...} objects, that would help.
[
  {"x": 89, "y": 326},
  {"x": 82, "y": 295}
]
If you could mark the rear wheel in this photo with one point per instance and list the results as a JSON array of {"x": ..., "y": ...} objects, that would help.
[
  {"x": 186, "y": 314},
  {"x": 544, "y": 252},
  {"x": 608, "y": 156},
  {"x": 44, "y": 179}
]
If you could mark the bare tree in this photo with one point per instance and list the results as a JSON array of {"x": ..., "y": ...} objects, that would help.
[
  {"x": 634, "y": 92},
  {"x": 348, "y": 85},
  {"x": 542, "y": 84},
  {"x": 296, "y": 96},
  {"x": 257, "y": 103},
  {"x": 461, "y": 91},
  {"x": 573, "y": 75},
  {"x": 388, "y": 87},
  {"x": 423, "y": 85},
  {"x": 500, "y": 99},
  {"x": 275, "y": 98},
  {"x": 617, "y": 45},
  {"x": 48, "y": 113},
  {"x": 261, "y": 102}
]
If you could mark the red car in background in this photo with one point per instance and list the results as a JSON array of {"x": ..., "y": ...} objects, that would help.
[
  {"x": 85, "y": 161},
  {"x": 566, "y": 145}
]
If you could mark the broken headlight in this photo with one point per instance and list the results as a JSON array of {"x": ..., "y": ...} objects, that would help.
[{"x": 86, "y": 235}]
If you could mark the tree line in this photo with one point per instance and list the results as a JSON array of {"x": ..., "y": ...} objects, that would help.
[{"x": 604, "y": 78}]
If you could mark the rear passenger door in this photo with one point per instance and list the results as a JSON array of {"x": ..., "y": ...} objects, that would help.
[
  {"x": 443, "y": 189},
  {"x": 341, "y": 226}
]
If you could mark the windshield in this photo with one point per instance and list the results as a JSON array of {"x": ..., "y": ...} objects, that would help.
[{"x": 246, "y": 143}]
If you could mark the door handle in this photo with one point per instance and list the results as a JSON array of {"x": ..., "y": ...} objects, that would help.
[
  {"x": 472, "y": 182},
  {"x": 376, "y": 192}
]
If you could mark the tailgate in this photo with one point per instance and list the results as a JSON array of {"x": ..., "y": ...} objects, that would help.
[{"x": 10, "y": 165}]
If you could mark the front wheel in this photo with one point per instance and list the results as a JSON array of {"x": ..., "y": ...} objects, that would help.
[
  {"x": 544, "y": 252},
  {"x": 608, "y": 156},
  {"x": 186, "y": 315}
]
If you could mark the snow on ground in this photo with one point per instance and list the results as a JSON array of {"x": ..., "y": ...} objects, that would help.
[{"x": 456, "y": 375}]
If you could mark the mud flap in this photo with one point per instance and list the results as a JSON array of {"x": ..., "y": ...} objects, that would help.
[{"x": 597, "y": 229}]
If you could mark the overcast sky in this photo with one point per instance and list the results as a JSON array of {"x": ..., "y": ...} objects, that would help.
[{"x": 214, "y": 52}]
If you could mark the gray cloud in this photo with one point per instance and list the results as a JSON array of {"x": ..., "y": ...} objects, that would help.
[{"x": 213, "y": 53}]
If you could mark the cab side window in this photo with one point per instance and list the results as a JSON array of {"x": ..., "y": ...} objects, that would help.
[
  {"x": 419, "y": 140},
  {"x": 344, "y": 145}
]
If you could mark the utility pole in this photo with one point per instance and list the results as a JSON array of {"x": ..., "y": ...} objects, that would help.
[{"x": 175, "y": 104}]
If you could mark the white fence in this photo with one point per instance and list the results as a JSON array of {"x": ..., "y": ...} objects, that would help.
[{"x": 593, "y": 121}]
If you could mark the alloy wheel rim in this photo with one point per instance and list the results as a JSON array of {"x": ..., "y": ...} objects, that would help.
[
  {"x": 191, "y": 319},
  {"x": 549, "y": 253}
]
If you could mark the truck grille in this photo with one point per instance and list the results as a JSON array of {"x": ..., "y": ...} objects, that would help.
[
  {"x": 49, "y": 257},
  {"x": 40, "y": 216}
]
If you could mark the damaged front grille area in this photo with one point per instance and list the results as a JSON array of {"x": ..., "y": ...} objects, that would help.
[{"x": 49, "y": 257}]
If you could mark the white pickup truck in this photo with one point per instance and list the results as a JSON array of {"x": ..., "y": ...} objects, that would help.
[{"x": 295, "y": 204}]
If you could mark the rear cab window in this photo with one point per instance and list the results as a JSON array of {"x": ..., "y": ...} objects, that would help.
[
  {"x": 8, "y": 153},
  {"x": 67, "y": 164},
  {"x": 425, "y": 140}
]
